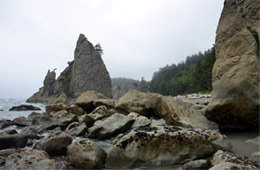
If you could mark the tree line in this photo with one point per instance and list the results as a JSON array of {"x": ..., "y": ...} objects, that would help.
[{"x": 190, "y": 76}]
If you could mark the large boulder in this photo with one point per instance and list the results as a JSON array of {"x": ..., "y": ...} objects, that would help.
[
  {"x": 24, "y": 107},
  {"x": 54, "y": 119},
  {"x": 164, "y": 146},
  {"x": 173, "y": 110},
  {"x": 55, "y": 143},
  {"x": 110, "y": 126},
  {"x": 13, "y": 141},
  {"x": 86, "y": 72},
  {"x": 86, "y": 154},
  {"x": 26, "y": 159},
  {"x": 89, "y": 100},
  {"x": 235, "y": 100}
]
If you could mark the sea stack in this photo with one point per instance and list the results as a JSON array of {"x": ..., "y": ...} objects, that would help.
[
  {"x": 86, "y": 72},
  {"x": 235, "y": 101}
]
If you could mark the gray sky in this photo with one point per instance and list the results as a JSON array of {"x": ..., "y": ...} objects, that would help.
[{"x": 138, "y": 36}]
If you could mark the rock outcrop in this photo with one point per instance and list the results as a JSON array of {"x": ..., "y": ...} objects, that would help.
[
  {"x": 86, "y": 72},
  {"x": 235, "y": 100}
]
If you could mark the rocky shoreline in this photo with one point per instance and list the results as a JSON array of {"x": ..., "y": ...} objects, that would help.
[{"x": 154, "y": 131}]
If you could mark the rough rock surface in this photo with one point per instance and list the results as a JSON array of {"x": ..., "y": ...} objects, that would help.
[
  {"x": 110, "y": 126},
  {"x": 235, "y": 100},
  {"x": 86, "y": 154},
  {"x": 223, "y": 160},
  {"x": 26, "y": 159},
  {"x": 164, "y": 146},
  {"x": 173, "y": 110},
  {"x": 86, "y": 72}
]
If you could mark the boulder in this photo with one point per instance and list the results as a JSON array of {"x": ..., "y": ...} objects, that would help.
[
  {"x": 16, "y": 140},
  {"x": 223, "y": 159},
  {"x": 86, "y": 154},
  {"x": 86, "y": 72},
  {"x": 74, "y": 109},
  {"x": 99, "y": 113},
  {"x": 76, "y": 129},
  {"x": 163, "y": 146},
  {"x": 13, "y": 141},
  {"x": 235, "y": 98},
  {"x": 57, "y": 119},
  {"x": 110, "y": 126},
  {"x": 89, "y": 100},
  {"x": 55, "y": 143},
  {"x": 24, "y": 108},
  {"x": 157, "y": 122},
  {"x": 22, "y": 121},
  {"x": 27, "y": 159},
  {"x": 174, "y": 111},
  {"x": 197, "y": 164},
  {"x": 139, "y": 120},
  {"x": 5, "y": 123}
]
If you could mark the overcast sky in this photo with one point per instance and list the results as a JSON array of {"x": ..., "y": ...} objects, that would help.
[{"x": 138, "y": 36}]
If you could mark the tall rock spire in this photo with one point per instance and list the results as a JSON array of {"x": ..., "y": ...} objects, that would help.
[{"x": 89, "y": 71}]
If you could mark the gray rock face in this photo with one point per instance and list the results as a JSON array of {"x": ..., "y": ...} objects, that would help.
[
  {"x": 235, "y": 100},
  {"x": 86, "y": 72},
  {"x": 89, "y": 71}
]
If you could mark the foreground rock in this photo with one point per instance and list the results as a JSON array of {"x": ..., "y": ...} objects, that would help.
[
  {"x": 227, "y": 160},
  {"x": 56, "y": 143},
  {"x": 163, "y": 146},
  {"x": 86, "y": 154},
  {"x": 26, "y": 159},
  {"x": 86, "y": 72},
  {"x": 174, "y": 111},
  {"x": 110, "y": 127},
  {"x": 24, "y": 108},
  {"x": 15, "y": 140},
  {"x": 235, "y": 100}
]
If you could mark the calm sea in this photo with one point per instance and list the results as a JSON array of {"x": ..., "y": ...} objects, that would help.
[{"x": 6, "y": 104}]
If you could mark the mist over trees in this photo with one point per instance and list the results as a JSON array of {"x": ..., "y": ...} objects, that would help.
[{"x": 193, "y": 75}]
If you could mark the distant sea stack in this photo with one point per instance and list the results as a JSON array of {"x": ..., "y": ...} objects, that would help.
[
  {"x": 235, "y": 101},
  {"x": 86, "y": 72}
]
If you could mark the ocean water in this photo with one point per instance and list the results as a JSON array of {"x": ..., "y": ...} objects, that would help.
[{"x": 6, "y": 104}]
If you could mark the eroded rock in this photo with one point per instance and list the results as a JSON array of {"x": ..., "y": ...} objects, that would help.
[{"x": 163, "y": 146}]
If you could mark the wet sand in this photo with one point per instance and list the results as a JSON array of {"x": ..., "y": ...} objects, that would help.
[{"x": 242, "y": 148}]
